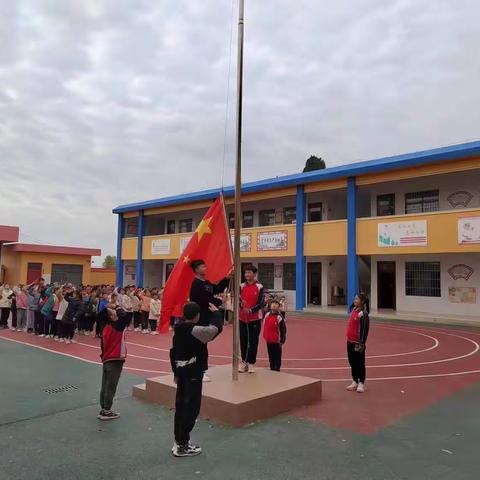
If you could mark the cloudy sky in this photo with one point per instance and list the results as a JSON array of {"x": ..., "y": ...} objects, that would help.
[{"x": 105, "y": 102}]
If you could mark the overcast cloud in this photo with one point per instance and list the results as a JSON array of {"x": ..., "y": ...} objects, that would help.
[{"x": 106, "y": 102}]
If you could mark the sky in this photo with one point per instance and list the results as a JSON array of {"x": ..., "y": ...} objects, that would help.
[{"x": 107, "y": 102}]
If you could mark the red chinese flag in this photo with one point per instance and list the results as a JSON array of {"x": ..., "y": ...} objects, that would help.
[{"x": 210, "y": 243}]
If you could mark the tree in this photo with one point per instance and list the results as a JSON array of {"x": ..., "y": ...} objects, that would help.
[
  {"x": 110, "y": 261},
  {"x": 314, "y": 163}
]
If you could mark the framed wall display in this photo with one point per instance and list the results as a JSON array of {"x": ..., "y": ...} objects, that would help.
[
  {"x": 403, "y": 234},
  {"x": 462, "y": 295},
  {"x": 267, "y": 241},
  {"x": 161, "y": 246},
  {"x": 468, "y": 230}
]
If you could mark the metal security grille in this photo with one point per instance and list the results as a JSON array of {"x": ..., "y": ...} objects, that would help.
[
  {"x": 422, "y": 279},
  {"x": 266, "y": 275},
  {"x": 420, "y": 202},
  {"x": 67, "y": 273},
  {"x": 63, "y": 388}
]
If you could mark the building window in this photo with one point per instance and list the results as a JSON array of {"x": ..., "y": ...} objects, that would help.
[
  {"x": 422, "y": 279},
  {"x": 385, "y": 205},
  {"x": 168, "y": 270},
  {"x": 289, "y": 215},
  {"x": 154, "y": 225},
  {"x": 421, "y": 202},
  {"x": 266, "y": 218},
  {"x": 289, "y": 276},
  {"x": 266, "y": 275},
  {"x": 315, "y": 212},
  {"x": 170, "y": 227},
  {"x": 185, "y": 226},
  {"x": 130, "y": 227},
  {"x": 247, "y": 219},
  {"x": 231, "y": 220}
]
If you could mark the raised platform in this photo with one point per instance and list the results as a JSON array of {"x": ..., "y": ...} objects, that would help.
[{"x": 254, "y": 397}]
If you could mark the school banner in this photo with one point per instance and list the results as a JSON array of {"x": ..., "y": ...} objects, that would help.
[
  {"x": 403, "y": 234},
  {"x": 468, "y": 230}
]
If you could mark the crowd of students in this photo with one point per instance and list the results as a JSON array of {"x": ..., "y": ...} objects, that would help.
[{"x": 59, "y": 312}]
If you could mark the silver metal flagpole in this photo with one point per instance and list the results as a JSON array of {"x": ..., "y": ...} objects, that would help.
[{"x": 238, "y": 186}]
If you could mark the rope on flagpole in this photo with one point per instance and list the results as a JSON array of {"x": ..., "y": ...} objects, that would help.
[{"x": 227, "y": 101}]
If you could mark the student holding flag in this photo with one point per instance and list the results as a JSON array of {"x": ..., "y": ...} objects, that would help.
[{"x": 211, "y": 242}]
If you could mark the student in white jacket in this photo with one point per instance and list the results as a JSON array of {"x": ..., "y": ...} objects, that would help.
[{"x": 155, "y": 307}]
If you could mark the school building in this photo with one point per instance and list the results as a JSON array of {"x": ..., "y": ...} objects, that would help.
[
  {"x": 23, "y": 263},
  {"x": 404, "y": 229}
]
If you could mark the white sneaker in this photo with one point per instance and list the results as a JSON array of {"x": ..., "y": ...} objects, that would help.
[
  {"x": 154, "y": 333},
  {"x": 243, "y": 368},
  {"x": 56, "y": 339},
  {"x": 73, "y": 340},
  {"x": 251, "y": 368},
  {"x": 145, "y": 331},
  {"x": 61, "y": 340},
  {"x": 12, "y": 329},
  {"x": 361, "y": 388},
  {"x": 138, "y": 329},
  {"x": 352, "y": 387},
  {"x": 68, "y": 341},
  {"x": 42, "y": 335},
  {"x": 19, "y": 330},
  {"x": 206, "y": 378}
]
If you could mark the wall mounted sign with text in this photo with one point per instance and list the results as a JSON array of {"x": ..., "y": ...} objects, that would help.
[
  {"x": 468, "y": 230},
  {"x": 272, "y": 241},
  {"x": 403, "y": 234},
  {"x": 245, "y": 242},
  {"x": 161, "y": 246}
]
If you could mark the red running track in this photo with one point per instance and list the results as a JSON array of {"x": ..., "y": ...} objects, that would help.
[{"x": 408, "y": 367}]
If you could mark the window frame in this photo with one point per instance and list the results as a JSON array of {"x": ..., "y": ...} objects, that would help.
[
  {"x": 391, "y": 196},
  {"x": 422, "y": 195},
  {"x": 269, "y": 211},
  {"x": 309, "y": 211},
  {"x": 292, "y": 276},
  {"x": 429, "y": 291},
  {"x": 248, "y": 213}
]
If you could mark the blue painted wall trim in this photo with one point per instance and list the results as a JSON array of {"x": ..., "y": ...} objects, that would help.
[
  {"x": 396, "y": 162},
  {"x": 139, "y": 276},
  {"x": 352, "y": 261},
  {"x": 119, "y": 265},
  {"x": 300, "y": 259}
]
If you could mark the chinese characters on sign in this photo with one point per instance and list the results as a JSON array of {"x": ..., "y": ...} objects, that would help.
[
  {"x": 403, "y": 234},
  {"x": 245, "y": 242},
  {"x": 468, "y": 230},
  {"x": 161, "y": 246},
  {"x": 272, "y": 241}
]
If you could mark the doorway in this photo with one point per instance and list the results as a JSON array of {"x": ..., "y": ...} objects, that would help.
[
  {"x": 386, "y": 285},
  {"x": 314, "y": 283},
  {"x": 34, "y": 272}
]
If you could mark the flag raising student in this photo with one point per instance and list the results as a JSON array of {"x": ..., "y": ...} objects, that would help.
[
  {"x": 189, "y": 359},
  {"x": 251, "y": 314},
  {"x": 210, "y": 242}
]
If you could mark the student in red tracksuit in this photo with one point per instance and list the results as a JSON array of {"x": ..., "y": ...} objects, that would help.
[
  {"x": 114, "y": 353},
  {"x": 357, "y": 333},
  {"x": 251, "y": 314},
  {"x": 274, "y": 333}
]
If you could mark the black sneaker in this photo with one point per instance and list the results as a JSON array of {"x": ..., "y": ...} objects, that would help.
[
  {"x": 108, "y": 415},
  {"x": 186, "y": 450}
]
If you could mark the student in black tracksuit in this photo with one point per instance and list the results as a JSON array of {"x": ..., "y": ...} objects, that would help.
[
  {"x": 189, "y": 360},
  {"x": 203, "y": 292}
]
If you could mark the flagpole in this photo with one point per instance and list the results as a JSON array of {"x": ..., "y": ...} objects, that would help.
[{"x": 238, "y": 193}]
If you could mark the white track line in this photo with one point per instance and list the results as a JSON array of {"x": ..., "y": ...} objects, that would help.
[
  {"x": 435, "y": 345},
  {"x": 96, "y": 347},
  {"x": 451, "y": 359},
  {"x": 74, "y": 356},
  {"x": 433, "y": 375}
]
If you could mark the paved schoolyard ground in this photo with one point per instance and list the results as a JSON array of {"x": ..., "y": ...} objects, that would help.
[{"x": 45, "y": 435}]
